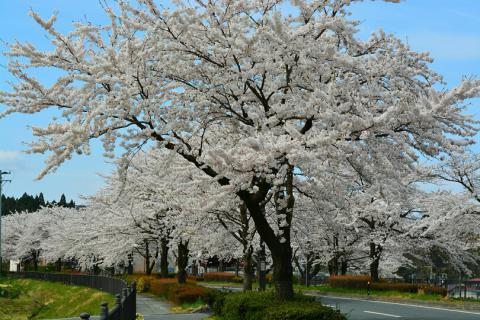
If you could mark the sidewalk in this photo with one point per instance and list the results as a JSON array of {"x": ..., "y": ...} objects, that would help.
[{"x": 155, "y": 309}]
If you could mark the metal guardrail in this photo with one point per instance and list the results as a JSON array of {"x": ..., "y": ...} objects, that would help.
[{"x": 126, "y": 295}]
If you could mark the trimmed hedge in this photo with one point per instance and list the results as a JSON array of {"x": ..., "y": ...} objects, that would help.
[
  {"x": 222, "y": 277},
  {"x": 186, "y": 294},
  {"x": 264, "y": 306},
  {"x": 349, "y": 281},
  {"x": 169, "y": 288},
  {"x": 176, "y": 293},
  {"x": 402, "y": 287},
  {"x": 195, "y": 278}
]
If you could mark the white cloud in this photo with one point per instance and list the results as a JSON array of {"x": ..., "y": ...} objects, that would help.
[
  {"x": 11, "y": 160},
  {"x": 9, "y": 155}
]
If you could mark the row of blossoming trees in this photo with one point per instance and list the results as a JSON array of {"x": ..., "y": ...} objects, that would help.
[
  {"x": 158, "y": 205},
  {"x": 261, "y": 119}
]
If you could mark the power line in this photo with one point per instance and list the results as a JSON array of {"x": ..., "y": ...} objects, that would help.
[{"x": 2, "y": 181}]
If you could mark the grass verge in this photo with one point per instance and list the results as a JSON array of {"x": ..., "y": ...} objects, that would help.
[
  {"x": 376, "y": 294},
  {"x": 48, "y": 300},
  {"x": 373, "y": 293},
  {"x": 189, "y": 307}
]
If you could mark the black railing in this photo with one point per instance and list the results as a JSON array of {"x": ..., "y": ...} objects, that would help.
[{"x": 126, "y": 295}]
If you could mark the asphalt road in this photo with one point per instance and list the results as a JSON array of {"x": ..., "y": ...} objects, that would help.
[
  {"x": 358, "y": 309},
  {"x": 361, "y": 309}
]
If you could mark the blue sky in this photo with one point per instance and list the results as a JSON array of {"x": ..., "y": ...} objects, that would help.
[{"x": 449, "y": 30}]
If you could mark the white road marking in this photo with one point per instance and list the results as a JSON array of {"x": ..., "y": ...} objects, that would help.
[
  {"x": 403, "y": 304},
  {"x": 383, "y": 314}
]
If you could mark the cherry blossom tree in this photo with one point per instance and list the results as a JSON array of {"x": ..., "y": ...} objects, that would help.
[
  {"x": 463, "y": 170},
  {"x": 244, "y": 93}
]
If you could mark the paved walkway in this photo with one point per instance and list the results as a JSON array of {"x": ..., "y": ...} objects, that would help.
[{"x": 155, "y": 309}]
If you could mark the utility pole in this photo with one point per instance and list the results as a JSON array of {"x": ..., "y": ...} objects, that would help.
[{"x": 2, "y": 173}]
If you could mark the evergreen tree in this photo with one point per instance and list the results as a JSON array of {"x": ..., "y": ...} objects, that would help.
[
  {"x": 63, "y": 201},
  {"x": 41, "y": 200},
  {"x": 31, "y": 203}
]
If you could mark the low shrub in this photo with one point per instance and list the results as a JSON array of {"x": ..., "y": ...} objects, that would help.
[
  {"x": 349, "y": 281},
  {"x": 222, "y": 277},
  {"x": 170, "y": 289},
  {"x": 215, "y": 299},
  {"x": 402, "y": 287},
  {"x": 195, "y": 278},
  {"x": 187, "y": 294},
  {"x": 409, "y": 287},
  {"x": 162, "y": 287},
  {"x": 427, "y": 289},
  {"x": 301, "y": 311},
  {"x": 246, "y": 306},
  {"x": 264, "y": 306}
]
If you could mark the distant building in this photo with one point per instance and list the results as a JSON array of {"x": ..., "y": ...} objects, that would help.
[{"x": 14, "y": 265}]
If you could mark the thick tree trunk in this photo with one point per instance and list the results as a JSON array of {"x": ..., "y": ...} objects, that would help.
[
  {"x": 194, "y": 268},
  {"x": 221, "y": 266},
  {"x": 164, "y": 258},
  {"x": 182, "y": 262},
  {"x": 248, "y": 272},
  {"x": 35, "y": 261},
  {"x": 58, "y": 265},
  {"x": 148, "y": 271},
  {"x": 150, "y": 267},
  {"x": 280, "y": 246},
  {"x": 308, "y": 269},
  {"x": 374, "y": 270},
  {"x": 333, "y": 266},
  {"x": 283, "y": 272},
  {"x": 344, "y": 267},
  {"x": 375, "y": 252},
  {"x": 130, "y": 264},
  {"x": 96, "y": 269},
  {"x": 153, "y": 261}
]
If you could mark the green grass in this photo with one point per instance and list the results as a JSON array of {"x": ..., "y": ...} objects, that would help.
[
  {"x": 388, "y": 295},
  {"x": 373, "y": 293},
  {"x": 222, "y": 283},
  {"x": 189, "y": 307},
  {"x": 49, "y": 300},
  {"x": 394, "y": 295},
  {"x": 381, "y": 295}
]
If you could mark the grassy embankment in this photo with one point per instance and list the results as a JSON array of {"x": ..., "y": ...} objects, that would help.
[{"x": 34, "y": 299}]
